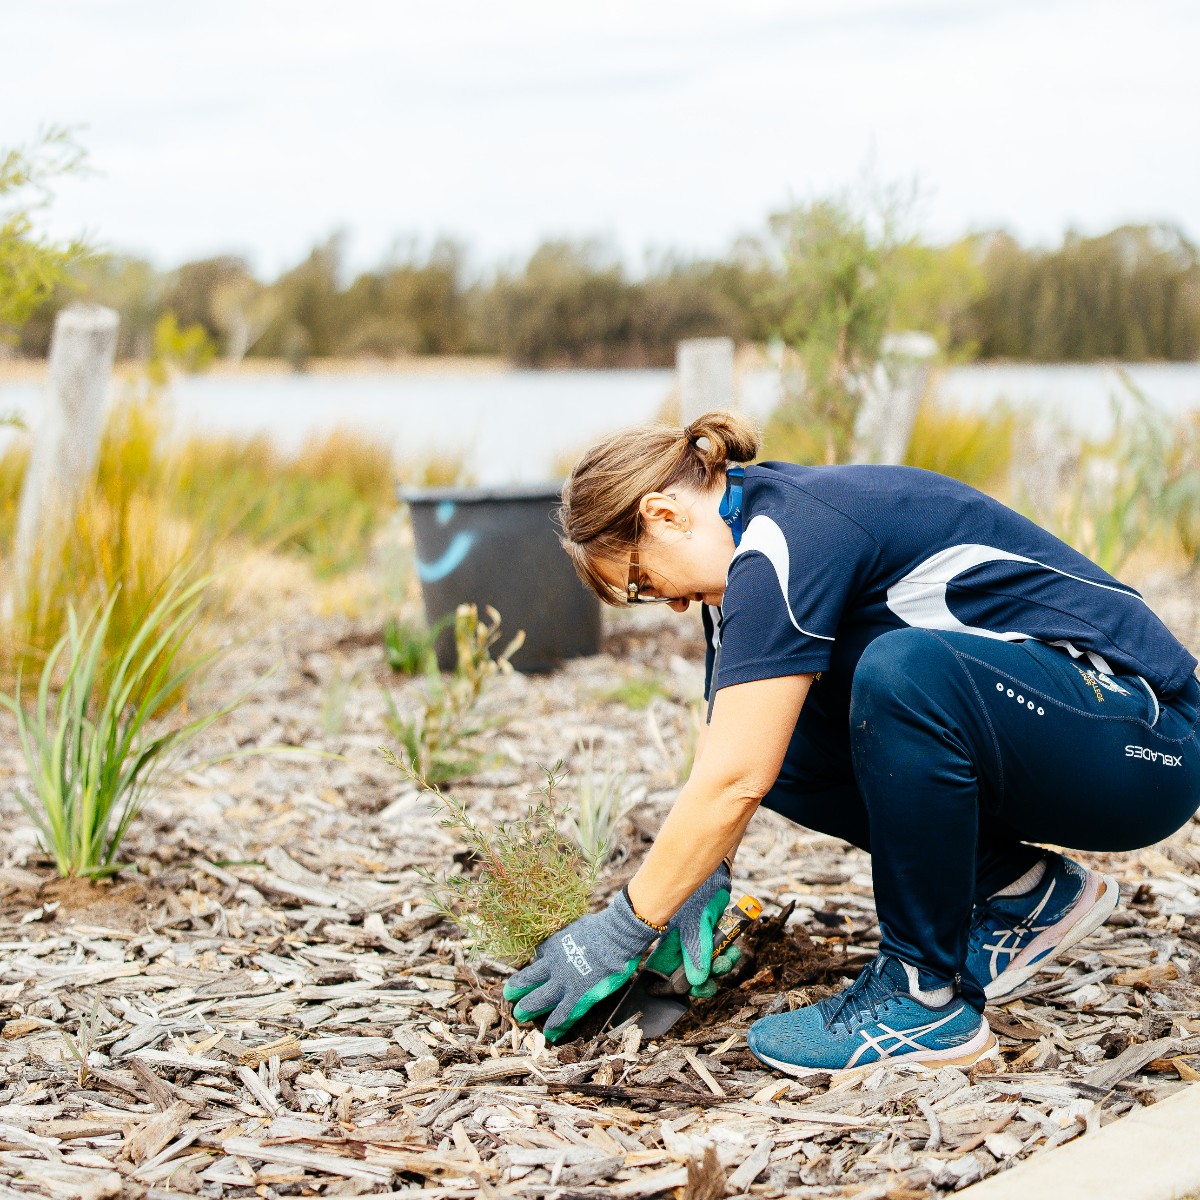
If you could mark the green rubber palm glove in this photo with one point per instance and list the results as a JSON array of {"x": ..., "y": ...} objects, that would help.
[
  {"x": 668, "y": 957},
  {"x": 579, "y": 966},
  {"x": 689, "y": 934}
]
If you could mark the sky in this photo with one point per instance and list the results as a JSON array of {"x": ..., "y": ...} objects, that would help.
[{"x": 260, "y": 127}]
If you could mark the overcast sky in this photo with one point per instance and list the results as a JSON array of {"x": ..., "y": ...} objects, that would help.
[{"x": 261, "y": 126}]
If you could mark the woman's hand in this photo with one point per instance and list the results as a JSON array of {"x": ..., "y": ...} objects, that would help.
[
  {"x": 579, "y": 966},
  {"x": 689, "y": 937}
]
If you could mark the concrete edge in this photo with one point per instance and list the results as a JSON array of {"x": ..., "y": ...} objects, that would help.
[{"x": 1150, "y": 1154}]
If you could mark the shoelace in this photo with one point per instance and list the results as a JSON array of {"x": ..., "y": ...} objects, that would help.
[{"x": 870, "y": 991}]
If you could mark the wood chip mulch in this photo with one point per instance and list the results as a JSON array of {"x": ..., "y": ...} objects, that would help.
[{"x": 265, "y": 1004}]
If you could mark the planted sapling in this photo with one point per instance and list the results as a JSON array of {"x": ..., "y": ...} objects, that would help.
[{"x": 529, "y": 880}]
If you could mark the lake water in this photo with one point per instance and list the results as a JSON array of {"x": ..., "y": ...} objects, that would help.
[{"x": 514, "y": 426}]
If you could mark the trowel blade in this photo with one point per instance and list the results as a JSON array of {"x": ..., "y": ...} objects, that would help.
[{"x": 658, "y": 1013}]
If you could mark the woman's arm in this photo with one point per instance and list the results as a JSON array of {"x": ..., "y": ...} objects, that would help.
[{"x": 743, "y": 749}]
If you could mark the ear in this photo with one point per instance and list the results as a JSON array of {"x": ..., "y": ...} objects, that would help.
[{"x": 661, "y": 514}]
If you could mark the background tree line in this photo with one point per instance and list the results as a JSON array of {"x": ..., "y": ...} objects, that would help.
[{"x": 1133, "y": 293}]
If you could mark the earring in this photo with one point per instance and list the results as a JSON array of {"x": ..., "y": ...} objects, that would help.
[{"x": 688, "y": 534}]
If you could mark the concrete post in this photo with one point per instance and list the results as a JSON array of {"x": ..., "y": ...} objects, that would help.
[
  {"x": 704, "y": 368},
  {"x": 67, "y": 441},
  {"x": 891, "y": 397}
]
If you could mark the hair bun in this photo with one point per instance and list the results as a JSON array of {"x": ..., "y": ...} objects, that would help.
[{"x": 722, "y": 436}]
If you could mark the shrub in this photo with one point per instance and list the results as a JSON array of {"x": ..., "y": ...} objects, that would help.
[
  {"x": 94, "y": 749},
  {"x": 530, "y": 881}
]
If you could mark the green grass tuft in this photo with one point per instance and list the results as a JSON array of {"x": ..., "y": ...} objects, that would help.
[
  {"x": 636, "y": 693},
  {"x": 93, "y": 742}
]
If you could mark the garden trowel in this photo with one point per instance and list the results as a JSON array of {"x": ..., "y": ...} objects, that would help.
[{"x": 658, "y": 1001}]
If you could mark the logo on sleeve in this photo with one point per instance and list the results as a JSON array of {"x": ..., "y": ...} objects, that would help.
[
  {"x": 1154, "y": 756},
  {"x": 575, "y": 953}
]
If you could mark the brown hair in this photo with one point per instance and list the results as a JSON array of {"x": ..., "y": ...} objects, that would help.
[{"x": 599, "y": 511}]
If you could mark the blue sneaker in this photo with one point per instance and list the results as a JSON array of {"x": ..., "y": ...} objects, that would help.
[
  {"x": 878, "y": 1018},
  {"x": 1013, "y": 937}
]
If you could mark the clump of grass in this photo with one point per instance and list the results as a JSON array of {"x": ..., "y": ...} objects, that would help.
[
  {"x": 435, "y": 469},
  {"x": 122, "y": 542},
  {"x": 680, "y": 758},
  {"x": 599, "y": 807},
  {"x": 1181, "y": 495},
  {"x": 117, "y": 549},
  {"x": 439, "y": 738},
  {"x": 1134, "y": 489},
  {"x": 976, "y": 448},
  {"x": 323, "y": 503},
  {"x": 530, "y": 881},
  {"x": 636, "y": 693},
  {"x": 14, "y": 462},
  {"x": 410, "y": 649},
  {"x": 93, "y": 743}
]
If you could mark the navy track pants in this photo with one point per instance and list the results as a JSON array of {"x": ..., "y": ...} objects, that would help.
[{"x": 945, "y": 754}]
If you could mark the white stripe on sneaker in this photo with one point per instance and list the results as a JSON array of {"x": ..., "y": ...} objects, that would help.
[{"x": 1095, "y": 905}]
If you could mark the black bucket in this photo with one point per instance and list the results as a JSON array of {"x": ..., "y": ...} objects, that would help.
[{"x": 499, "y": 546}]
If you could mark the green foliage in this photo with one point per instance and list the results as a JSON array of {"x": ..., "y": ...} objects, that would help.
[
  {"x": 32, "y": 265},
  {"x": 323, "y": 503},
  {"x": 438, "y": 739},
  {"x": 636, "y": 693},
  {"x": 600, "y": 804},
  {"x": 837, "y": 282},
  {"x": 530, "y": 881},
  {"x": 178, "y": 348},
  {"x": 1130, "y": 294},
  {"x": 409, "y": 649},
  {"x": 1137, "y": 488},
  {"x": 94, "y": 744},
  {"x": 936, "y": 289},
  {"x": 976, "y": 448},
  {"x": 119, "y": 548},
  {"x": 830, "y": 276}
]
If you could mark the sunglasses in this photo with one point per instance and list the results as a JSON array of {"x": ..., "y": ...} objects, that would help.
[{"x": 632, "y": 587}]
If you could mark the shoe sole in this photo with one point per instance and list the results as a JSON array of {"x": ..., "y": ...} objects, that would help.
[
  {"x": 1074, "y": 927},
  {"x": 982, "y": 1045}
]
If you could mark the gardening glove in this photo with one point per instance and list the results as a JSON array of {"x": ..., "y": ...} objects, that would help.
[
  {"x": 579, "y": 966},
  {"x": 689, "y": 937}
]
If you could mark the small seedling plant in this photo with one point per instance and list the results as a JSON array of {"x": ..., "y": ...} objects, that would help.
[
  {"x": 409, "y": 649},
  {"x": 94, "y": 742},
  {"x": 529, "y": 882},
  {"x": 80, "y": 1047},
  {"x": 600, "y": 804},
  {"x": 439, "y": 738}
]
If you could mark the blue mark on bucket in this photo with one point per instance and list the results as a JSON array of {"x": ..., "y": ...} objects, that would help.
[{"x": 460, "y": 546}]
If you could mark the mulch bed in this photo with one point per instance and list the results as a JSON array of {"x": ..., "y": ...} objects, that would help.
[{"x": 268, "y": 1006}]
